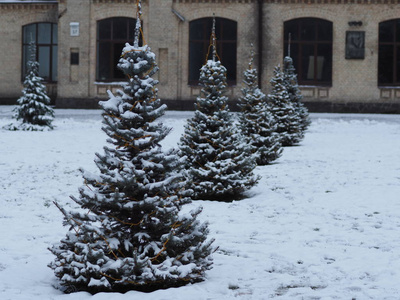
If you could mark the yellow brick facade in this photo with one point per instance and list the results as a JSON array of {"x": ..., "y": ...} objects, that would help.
[{"x": 166, "y": 29}]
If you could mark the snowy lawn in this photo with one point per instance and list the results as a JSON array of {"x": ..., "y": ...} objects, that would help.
[{"x": 323, "y": 223}]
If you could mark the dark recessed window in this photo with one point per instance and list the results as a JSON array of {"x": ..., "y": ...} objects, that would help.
[
  {"x": 74, "y": 58},
  {"x": 112, "y": 35},
  {"x": 44, "y": 35},
  {"x": 199, "y": 41},
  {"x": 389, "y": 53},
  {"x": 311, "y": 49}
]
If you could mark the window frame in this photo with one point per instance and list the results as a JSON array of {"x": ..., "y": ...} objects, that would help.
[
  {"x": 53, "y": 46},
  {"x": 395, "y": 61},
  {"x": 315, "y": 43},
  {"x": 113, "y": 45},
  {"x": 204, "y": 43}
]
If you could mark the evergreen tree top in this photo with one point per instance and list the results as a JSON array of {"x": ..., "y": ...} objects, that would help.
[
  {"x": 288, "y": 66},
  {"x": 138, "y": 26},
  {"x": 251, "y": 57},
  {"x": 250, "y": 74},
  {"x": 32, "y": 65},
  {"x": 213, "y": 45}
]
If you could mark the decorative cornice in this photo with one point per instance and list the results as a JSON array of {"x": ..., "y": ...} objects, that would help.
[
  {"x": 115, "y": 1},
  {"x": 27, "y": 6},
  {"x": 291, "y": 1},
  {"x": 215, "y": 1},
  {"x": 333, "y": 1},
  {"x": 30, "y": 2}
]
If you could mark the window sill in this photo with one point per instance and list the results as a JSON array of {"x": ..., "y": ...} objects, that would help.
[
  {"x": 114, "y": 83},
  {"x": 314, "y": 86},
  {"x": 389, "y": 87}
]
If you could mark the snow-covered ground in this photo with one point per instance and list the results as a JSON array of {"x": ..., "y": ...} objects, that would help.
[{"x": 323, "y": 223}]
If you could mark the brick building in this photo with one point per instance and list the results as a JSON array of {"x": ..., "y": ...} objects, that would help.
[{"x": 346, "y": 52}]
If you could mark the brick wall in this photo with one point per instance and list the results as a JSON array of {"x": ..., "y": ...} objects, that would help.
[{"x": 353, "y": 81}]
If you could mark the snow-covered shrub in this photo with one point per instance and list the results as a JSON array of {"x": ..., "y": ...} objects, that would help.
[
  {"x": 256, "y": 122},
  {"x": 289, "y": 125},
  {"x": 292, "y": 86},
  {"x": 130, "y": 234},
  {"x": 33, "y": 112},
  {"x": 219, "y": 161}
]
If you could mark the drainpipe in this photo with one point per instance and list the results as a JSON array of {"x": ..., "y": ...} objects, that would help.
[{"x": 260, "y": 41}]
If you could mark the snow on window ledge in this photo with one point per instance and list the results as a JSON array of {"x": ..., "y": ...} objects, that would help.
[
  {"x": 119, "y": 83},
  {"x": 389, "y": 87}
]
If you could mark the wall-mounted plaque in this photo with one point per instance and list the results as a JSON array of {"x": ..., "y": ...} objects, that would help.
[
  {"x": 74, "y": 28},
  {"x": 355, "y": 44}
]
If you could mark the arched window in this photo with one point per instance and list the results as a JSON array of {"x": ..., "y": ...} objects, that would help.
[
  {"x": 311, "y": 49},
  {"x": 112, "y": 34},
  {"x": 199, "y": 41},
  {"x": 389, "y": 53},
  {"x": 44, "y": 35}
]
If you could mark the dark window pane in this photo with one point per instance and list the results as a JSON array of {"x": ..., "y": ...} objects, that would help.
[
  {"x": 45, "y": 37},
  {"x": 386, "y": 32},
  {"x": 312, "y": 50},
  {"x": 103, "y": 60},
  {"x": 29, "y": 33},
  {"x": 104, "y": 30},
  {"x": 44, "y": 33},
  {"x": 324, "y": 62},
  {"x": 112, "y": 35},
  {"x": 228, "y": 30},
  {"x": 118, "y": 74},
  {"x": 196, "y": 60},
  {"x": 385, "y": 64},
  {"x": 25, "y": 58},
  {"x": 397, "y": 33},
  {"x": 308, "y": 62},
  {"x": 292, "y": 28},
  {"x": 228, "y": 59},
  {"x": 120, "y": 29},
  {"x": 54, "y": 63},
  {"x": 324, "y": 30},
  {"x": 285, "y": 48},
  {"x": 199, "y": 40},
  {"x": 308, "y": 30},
  {"x": 197, "y": 30},
  {"x": 397, "y": 79},
  {"x": 131, "y": 30},
  {"x": 44, "y": 62},
  {"x": 55, "y": 33}
]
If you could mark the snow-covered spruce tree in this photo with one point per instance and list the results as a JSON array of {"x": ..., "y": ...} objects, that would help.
[
  {"x": 132, "y": 235},
  {"x": 289, "y": 124},
  {"x": 256, "y": 122},
  {"x": 33, "y": 112},
  {"x": 292, "y": 86},
  {"x": 219, "y": 162}
]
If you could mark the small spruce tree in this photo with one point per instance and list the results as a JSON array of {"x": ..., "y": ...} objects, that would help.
[
  {"x": 33, "y": 112},
  {"x": 132, "y": 236},
  {"x": 256, "y": 122},
  {"x": 288, "y": 121},
  {"x": 219, "y": 163},
  {"x": 292, "y": 86}
]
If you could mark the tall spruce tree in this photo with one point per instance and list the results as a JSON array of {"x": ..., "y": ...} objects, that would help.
[
  {"x": 256, "y": 122},
  {"x": 132, "y": 236},
  {"x": 219, "y": 163},
  {"x": 33, "y": 112},
  {"x": 289, "y": 124},
  {"x": 292, "y": 86}
]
